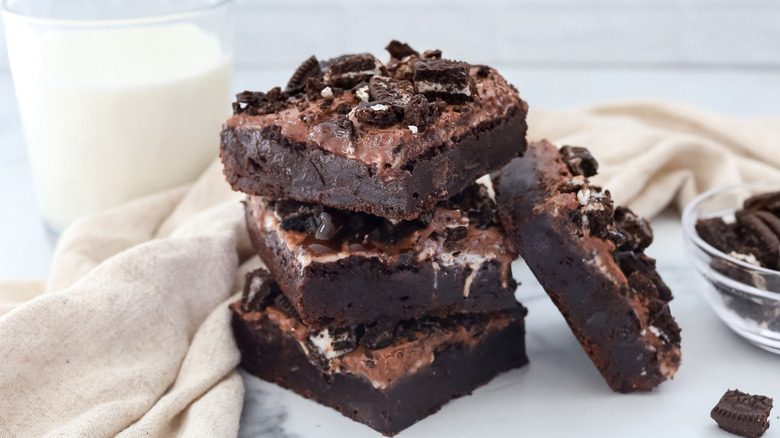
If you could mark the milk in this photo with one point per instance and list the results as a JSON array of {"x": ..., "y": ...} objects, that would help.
[{"x": 113, "y": 114}]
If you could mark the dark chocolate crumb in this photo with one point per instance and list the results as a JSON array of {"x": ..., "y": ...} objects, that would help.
[
  {"x": 259, "y": 290},
  {"x": 399, "y": 50},
  {"x": 343, "y": 108},
  {"x": 309, "y": 68},
  {"x": 579, "y": 161},
  {"x": 636, "y": 230},
  {"x": 370, "y": 363},
  {"x": 378, "y": 113},
  {"x": 313, "y": 88},
  {"x": 483, "y": 71},
  {"x": 417, "y": 111}
]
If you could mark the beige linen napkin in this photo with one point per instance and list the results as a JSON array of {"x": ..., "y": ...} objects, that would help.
[{"x": 130, "y": 336}]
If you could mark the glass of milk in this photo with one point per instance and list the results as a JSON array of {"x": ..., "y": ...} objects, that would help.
[{"x": 118, "y": 99}]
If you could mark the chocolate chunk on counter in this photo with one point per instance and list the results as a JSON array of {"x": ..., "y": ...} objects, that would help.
[
  {"x": 588, "y": 257},
  {"x": 454, "y": 259},
  {"x": 742, "y": 414},
  {"x": 448, "y": 80}
]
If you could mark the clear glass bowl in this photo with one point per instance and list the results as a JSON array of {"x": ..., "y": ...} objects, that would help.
[{"x": 744, "y": 296}]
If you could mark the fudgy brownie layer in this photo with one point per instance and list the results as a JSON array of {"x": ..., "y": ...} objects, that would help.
[
  {"x": 457, "y": 260},
  {"x": 390, "y": 141},
  {"x": 262, "y": 162},
  {"x": 389, "y": 388},
  {"x": 589, "y": 258}
]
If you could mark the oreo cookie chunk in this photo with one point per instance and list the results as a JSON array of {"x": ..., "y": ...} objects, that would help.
[
  {"x": 456, "y": 258},
  {"x": 588, "y": 256},
  {"x": 752, "y": 235},
  {"x": 742, "y": 414},
  {"x": 392, "y": 142},
  {"x": 445, "y": 79},
  {"x": 350, "y": 70}
]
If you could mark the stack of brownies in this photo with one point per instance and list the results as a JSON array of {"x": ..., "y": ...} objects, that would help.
[{"x": 390, "y": 289}]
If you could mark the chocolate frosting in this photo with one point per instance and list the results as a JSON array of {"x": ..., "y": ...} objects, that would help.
[{"x": 314, "y": 124}]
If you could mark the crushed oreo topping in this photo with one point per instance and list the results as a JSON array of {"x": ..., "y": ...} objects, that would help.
[
  {"x": 378, "y": 113},
  {"x": 351, "y": 70},
  {"x": 417, "y": 112},
  {"x": 258, "y": 103},
  {"x": 282, "y": 303},
  {"x": 396, "y": 92},
  {"x": 313, "y": 88},
  {"x": 483, "y": 71},
  {"x": 259, "y": 291},
  {"x": 742, "y": 414},
  {"x": 399, "y": 50},
  {"x": 308, "y": 69},
  {"x": 579, "y": 161},
  {"x": 636, "y": 230},
  {"x": 442, "y": 78}
]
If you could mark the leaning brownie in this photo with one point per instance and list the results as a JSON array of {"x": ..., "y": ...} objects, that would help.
[
  {"x": 390, "y": 140},
  {"x": 589, "y": 258},
  {"x": 342, "y": 268},
  {"x": 387, "y": 378}
]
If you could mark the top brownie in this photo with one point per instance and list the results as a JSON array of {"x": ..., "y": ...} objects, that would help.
[{"x": 386, "y": 139}]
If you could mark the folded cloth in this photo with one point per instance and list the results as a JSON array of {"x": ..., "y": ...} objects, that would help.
[{"x": 130, "y": 336}]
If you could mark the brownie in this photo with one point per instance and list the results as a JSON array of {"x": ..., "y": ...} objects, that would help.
[
  {"x": 743, "y": 414},
  {"x": 341, "y": 268},
  {"x": 389, "y": 386},
  {"x": 354, "y": 134},
  {"x": 588, "y": 256}
]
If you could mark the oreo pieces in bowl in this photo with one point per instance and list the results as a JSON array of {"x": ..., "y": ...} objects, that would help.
[{"x": 733, "y": 239}]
